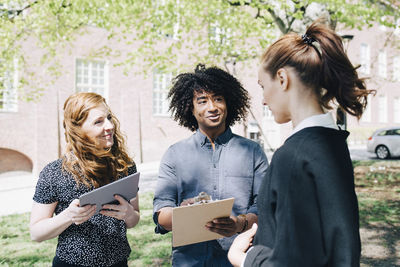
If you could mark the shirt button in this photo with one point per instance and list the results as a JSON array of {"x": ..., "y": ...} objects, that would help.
[{"x": 215, "y": 187}]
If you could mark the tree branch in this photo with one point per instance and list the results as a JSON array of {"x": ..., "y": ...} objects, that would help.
[
  {"x": 279, "y": 22},
  {"x": 17, "y": 12}
]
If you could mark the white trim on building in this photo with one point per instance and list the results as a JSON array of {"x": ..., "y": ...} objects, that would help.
[
  {"x": 382, "y": 108},
  {"x": 366, "y": 117},
  {"x": 396, "y": 68},
  {"x": 365, "y": 58},
  {"x": 8, "y": 90},
  {"x": 91, "y": 76},
  {"x": 382, "y": 64},
  {"x": 161, "y": 86},
  {"x": 396, "y": 109}
]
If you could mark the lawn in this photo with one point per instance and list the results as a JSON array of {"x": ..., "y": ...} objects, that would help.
[
  {"x": 378, "y": 190},
  {"x": 16, "y": 248}
]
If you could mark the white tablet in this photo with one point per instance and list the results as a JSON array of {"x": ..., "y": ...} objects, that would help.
[{"x": 126, "y": 187}]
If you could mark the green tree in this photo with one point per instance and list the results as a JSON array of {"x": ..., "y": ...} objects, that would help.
[{"x": 210, "y": 31}]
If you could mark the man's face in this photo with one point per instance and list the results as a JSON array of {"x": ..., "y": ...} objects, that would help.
[{"x": 209, "y": 110}]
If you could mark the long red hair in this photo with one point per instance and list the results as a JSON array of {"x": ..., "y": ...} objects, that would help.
[{"x": 88, "y": 163}]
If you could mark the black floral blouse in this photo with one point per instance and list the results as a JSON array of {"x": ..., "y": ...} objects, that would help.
[{"x": 100, "y": 241}]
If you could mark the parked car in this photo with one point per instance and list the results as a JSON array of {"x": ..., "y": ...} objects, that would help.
[{"x": 385, "y": 142}]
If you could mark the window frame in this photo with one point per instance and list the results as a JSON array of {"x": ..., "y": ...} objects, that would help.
[
  {"x": 160, "y": 89},
  {"x": 9, "y": 95},
  {"x": 365, "y": 58},
  {"x": 90, "y": 85}
]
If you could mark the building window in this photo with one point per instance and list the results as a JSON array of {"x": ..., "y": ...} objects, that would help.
[
  {"x": 92, "y": 76},
  {"x": 267, "y": 113},
  {"x": 382, "y": 64},
  {"x": 8, "y": 90},
  {"x": 382, "y": 105},
  {"x": 366, "y": 116},
  {"x": 396, "y": 109},
  {"x": 365, "y": 58},
  {"x": 397, "y": 28},
  {"x": 161, "y": 86},
  {"x": 396, "y": 68},
  {"x": 171, "y": 30},
  {"x": 219, "y": 36}
]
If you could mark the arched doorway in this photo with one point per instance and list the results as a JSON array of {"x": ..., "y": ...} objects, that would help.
[{"x": 12, "y": 160}]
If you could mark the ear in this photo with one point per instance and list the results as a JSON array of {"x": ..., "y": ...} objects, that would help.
[{"x": 283, "y": 77}]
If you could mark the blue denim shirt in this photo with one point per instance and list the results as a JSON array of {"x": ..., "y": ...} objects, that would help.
[{"x": 234, "y": 169}]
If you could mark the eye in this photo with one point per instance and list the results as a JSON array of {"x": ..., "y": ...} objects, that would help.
[
  {"x": 98, "y": 121},
  {"x": 109, "y": 117},
  {"x": 219, "y": 99}
]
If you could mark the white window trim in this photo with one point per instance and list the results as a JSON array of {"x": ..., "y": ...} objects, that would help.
[
  {"x": 267, "y": 113},
  {"x": 382, "y": 64},
  {"x": 106, "y": 75},
  {"x": 365, "y": 62},
  {"x": 396, "y": 109},
  {"x": 396, "y": 68},
  {"x": 162, "y": 103},
  {"x": 382, "y": 103},
  {"x": 10, "y": 96},
  {"x": 367, "y": 114}
]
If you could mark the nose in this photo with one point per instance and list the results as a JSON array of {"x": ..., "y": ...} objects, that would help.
[
  {"x": 211, "y": 105},
  {"x": 108, "y": 125}
]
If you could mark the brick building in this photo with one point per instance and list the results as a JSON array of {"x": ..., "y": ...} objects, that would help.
[{"x": 31, "y": 133}]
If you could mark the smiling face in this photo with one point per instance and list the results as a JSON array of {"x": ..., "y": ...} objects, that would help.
[
  {"x": 99, "y": 127},
  {"x": 274, "y": 95},
  {"x": 210, "y": 111}
]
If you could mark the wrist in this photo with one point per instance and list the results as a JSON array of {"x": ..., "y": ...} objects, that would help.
[
  {"x": 66, "y": 217},
  {"x": 243, "y": 227}
]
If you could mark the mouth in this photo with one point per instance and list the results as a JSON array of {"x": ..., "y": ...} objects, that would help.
[
  {"x": 108, "y": 136},
  {"x": 214, "y": 117}
]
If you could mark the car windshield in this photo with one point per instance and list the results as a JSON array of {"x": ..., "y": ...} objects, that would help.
[{"x": 389, "y": 132}]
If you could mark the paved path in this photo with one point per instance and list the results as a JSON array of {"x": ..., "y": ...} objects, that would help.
[{"x": 17, "y": 188}]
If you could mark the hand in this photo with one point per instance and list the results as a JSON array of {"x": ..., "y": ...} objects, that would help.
[
  {"x": 226, "y": 226},
  {"x": 188, "y": 201},
  {"x": 79, "y": 215},
  {"x": 240, "y": 245},
  {"x": 119, "y": 211}
]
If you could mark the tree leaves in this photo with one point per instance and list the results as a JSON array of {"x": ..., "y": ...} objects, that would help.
[{"x": 170, "y": 34}]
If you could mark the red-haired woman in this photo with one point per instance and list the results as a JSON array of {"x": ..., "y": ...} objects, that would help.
[
  {"x": 308, "y": 211},
  {"x": 95, "y": 155}
]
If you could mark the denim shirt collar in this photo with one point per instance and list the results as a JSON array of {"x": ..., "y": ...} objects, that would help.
[{"x": 223, "y": 139}]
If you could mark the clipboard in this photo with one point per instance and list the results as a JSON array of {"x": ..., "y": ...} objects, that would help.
[
  {"x": 126, "y": 187},
  {"x": 188, "y": 222}
]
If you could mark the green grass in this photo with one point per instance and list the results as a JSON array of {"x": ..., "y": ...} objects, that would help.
[
  {"x": 16, "y": 248},
  {"x": 377, "y": 187}
]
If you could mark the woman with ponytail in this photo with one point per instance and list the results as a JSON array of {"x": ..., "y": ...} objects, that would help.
[
  {"x": 308, "y": 210},
  {"x": 95, "y": 156}
]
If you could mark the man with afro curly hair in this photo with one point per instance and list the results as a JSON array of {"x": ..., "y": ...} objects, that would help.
[{"x": 213, "y": 160}]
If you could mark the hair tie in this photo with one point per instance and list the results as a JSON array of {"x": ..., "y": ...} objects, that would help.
[{"x": 307, "y": 39}]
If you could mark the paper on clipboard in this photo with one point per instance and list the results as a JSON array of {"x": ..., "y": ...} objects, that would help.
[{"x": 188, "y": 222}]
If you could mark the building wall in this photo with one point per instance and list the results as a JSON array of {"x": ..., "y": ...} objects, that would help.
[
  {"x": 35, "y": 130},
  {"x": 378, "y": 39}
]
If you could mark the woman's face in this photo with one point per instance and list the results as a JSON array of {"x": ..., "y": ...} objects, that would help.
[
  {"x": 98, "y": 127},
  {"x": 274, "y": 95}
]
